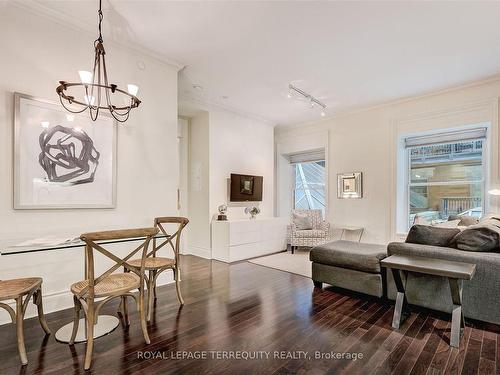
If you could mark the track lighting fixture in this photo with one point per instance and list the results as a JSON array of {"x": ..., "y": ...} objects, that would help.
[{"x": 313, "y": 102}]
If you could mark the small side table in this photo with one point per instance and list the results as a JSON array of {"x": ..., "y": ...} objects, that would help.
[
  {"x": 456, "y": 272},
  {"x": 358, "y": 231}
]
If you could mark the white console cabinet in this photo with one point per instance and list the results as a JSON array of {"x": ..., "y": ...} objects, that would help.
[{"x": 240, "y": 239}]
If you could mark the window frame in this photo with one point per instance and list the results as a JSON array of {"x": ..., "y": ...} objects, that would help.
[
  {"x": 484, "y": 167},
  {"x": 293, "y": 171}
]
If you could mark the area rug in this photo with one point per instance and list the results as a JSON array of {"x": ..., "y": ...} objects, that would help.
[{"x": 297, "y": 263}]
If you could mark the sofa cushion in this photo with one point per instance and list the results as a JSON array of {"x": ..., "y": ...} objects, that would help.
[
  {"x": 428, "y": 235},
  {"x": 303, "y": 222},
  {"x": 484, "y": 236},
  {"x": 465, "y": 220},
  {"x": 348, "y": 254},
  {"x": 312, "y": 233}
]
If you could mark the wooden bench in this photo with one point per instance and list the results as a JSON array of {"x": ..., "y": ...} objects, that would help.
[{"x": 456, "y": 272}]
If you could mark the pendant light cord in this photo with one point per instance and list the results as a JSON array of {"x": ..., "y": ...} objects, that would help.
[{"x": 100, "y": 21}]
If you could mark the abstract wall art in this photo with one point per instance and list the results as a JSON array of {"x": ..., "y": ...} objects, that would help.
[{"x": 62, "y": 160}]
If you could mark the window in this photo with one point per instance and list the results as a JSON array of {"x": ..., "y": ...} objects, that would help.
[
  {"x": 309, "y": 190},
  {"x": 446, "y": 176}
]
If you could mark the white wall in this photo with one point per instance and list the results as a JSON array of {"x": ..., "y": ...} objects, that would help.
[
  {"x": 240, "y": 145},
  {"x": 36, "y": 54},
  {"x": 199, "y": 186},
  {"x": 223, "y": 142},
  {"x": 366, "y": 141}
]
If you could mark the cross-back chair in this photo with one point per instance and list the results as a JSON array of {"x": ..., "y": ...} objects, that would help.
[
  {"x": 110, "y": 285},
  {"x": 17, "y": 289},
  {"x": 156, "y": 265}
]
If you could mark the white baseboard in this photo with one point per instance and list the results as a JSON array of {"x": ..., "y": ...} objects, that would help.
[
  {"x": 62, "y": 300},
  {"x": 199, "y": 251}
]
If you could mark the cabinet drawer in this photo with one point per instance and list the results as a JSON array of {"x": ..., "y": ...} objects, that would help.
[{"x": 240, "y": 238}]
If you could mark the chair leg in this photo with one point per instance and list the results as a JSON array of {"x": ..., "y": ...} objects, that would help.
[
  {"x": 178, "y": 286},
  {"x": 150, "y": 294},
  {"x": 76, "y": 320},
  {"x": 20, "y": 330},
  {"x": 124, "y": 307},
  {"x": 37, "y": 300},
  {"x": 142, "y": 314},
  {"x": 90, "y": 334},
  {"x": 154, "y": 286}
]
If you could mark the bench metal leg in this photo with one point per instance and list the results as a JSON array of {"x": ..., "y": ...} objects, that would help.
[
  {"x": 401, "y": 310},
  {"x": 457, "y": 315}
]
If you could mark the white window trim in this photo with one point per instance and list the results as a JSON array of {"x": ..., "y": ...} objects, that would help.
[{"x": 403, "y": 170}]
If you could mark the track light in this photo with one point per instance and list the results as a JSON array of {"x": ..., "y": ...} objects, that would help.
[{"x": 313, "y": 102}]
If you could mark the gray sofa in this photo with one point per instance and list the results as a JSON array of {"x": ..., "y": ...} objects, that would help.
[
  {"x": 355, "y": 266},
  {"x": 481, "y": 295}
]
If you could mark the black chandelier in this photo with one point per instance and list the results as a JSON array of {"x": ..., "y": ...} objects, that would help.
[{"x": 97, "y": 88}]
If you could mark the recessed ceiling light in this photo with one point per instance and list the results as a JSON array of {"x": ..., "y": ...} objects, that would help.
[
  {"x": 224, "y": 97},
  {"x": 198, "y": 87}
]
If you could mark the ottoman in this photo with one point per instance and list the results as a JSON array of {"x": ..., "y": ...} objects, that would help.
[{"x": 349, "y": 265}]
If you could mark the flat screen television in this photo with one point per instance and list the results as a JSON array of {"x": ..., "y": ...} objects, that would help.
[{"x": 245, "y": 188}]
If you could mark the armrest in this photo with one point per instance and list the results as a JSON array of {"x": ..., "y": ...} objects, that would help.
[{"x": 325, "y": 226}]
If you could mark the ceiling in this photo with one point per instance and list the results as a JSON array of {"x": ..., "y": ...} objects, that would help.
[{"x": 350, "y": 55}]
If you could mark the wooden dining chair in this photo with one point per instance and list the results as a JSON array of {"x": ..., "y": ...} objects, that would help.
[
  {"x": 109, "y": 285},
  {"x": 156, "y": 265},
  {"x": 19, "y": 289}
]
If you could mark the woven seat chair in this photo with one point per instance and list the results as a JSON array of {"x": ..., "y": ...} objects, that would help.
[
  {"x": 156, "y": 265},
  {"x": 109, "y": 285},
  {"x": 19, "y": 289}
]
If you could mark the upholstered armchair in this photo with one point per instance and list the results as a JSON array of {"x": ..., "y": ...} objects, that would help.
[{"x": 308, "y": 228}]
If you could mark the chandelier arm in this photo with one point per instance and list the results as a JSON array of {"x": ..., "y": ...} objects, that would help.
[
  {"x": 126, "y": 109},
  {"x": 60, "y": 91},
  {"x": 118, "y": 119},
  {"x": 71, "y": 110},
  {"x": 92, "y": 117}
]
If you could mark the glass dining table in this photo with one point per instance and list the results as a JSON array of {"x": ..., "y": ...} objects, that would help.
[{"x": 105, "y": 323}]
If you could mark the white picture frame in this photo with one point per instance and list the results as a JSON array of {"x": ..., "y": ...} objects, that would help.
[
  {"x": 62, "y": 160},
  {"x": 350, "y": 185}
]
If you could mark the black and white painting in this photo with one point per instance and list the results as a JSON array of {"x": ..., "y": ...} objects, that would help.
[{"x": 62, "y": 160}]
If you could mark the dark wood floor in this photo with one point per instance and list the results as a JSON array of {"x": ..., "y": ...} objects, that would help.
[{"x": 249, "y": 308}]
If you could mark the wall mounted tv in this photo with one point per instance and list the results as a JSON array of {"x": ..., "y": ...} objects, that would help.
[{"x": 245, "y": 188}]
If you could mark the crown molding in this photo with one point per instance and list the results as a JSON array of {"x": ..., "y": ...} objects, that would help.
[
  {"x": 62, "y": 19},
  {"x": 346, "y": 113},
  {"x": 207, "y": 104}
]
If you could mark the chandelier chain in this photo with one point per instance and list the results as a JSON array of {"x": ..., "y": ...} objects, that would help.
[{"x": 100, "y": 22}]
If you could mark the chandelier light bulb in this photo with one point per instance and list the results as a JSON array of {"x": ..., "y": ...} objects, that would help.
[
  {"x": 45, "y": 124},
  {"x": 70, "y": 118},
  {"x": 323, "y": 114},
  {"x": 132, "y": 89},
  {"x": 289, "y": 95},
  {"x": 85, "y": 77}
]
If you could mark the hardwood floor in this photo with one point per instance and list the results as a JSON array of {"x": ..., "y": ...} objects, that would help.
[{"x": 247, "y": 308}]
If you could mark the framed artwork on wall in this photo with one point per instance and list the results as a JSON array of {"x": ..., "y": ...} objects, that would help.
[
  {"x": 62, "y": 160},
  {"x": 350, "y": 185}
]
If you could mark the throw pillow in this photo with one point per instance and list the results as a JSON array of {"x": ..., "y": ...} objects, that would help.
[
  {"x": 484, "y": 236},
  {"x": 429, "y": 235},
  {"x": 448, "y": 224},
  {"x": 303, "y": 222}
]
